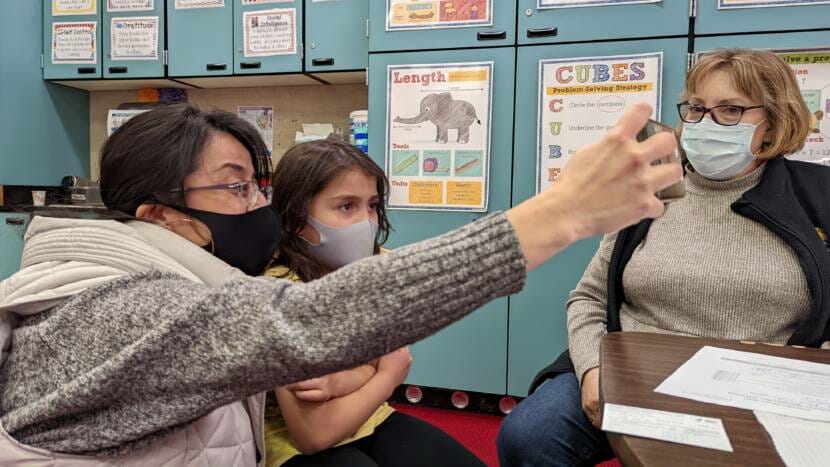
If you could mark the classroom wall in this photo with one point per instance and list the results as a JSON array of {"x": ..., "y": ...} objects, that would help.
[
  {"x": 293, "y": 106},
  {"x": 44, "y": 128}
]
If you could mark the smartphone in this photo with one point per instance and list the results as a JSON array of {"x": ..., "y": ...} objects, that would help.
[{"x": 678, "y": 190}]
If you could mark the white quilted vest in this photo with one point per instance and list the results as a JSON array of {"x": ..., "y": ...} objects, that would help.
[{"x": 226, "y": 437}]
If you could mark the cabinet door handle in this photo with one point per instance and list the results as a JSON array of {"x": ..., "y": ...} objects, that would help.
[
  {"x": 250, "y": 65},
  {"x": 492, "y": 36},
  {"x": 118, "y": 69},
  {"x": 14, "y": 221},
  {"x": 216, "y": 66},
  {"x": 86, "y": 70},
  {"x": 543, "y": 32},
  {"x": 322, "y": 62}
]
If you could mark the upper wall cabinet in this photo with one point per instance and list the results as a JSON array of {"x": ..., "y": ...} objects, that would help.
[
  {"x": 725, "y": 16},
  {"x": 267, "y": 36},
  {"x": 71, "y": 39},
  {"x": 200, "y": 37},
  {"x": 133, "y": 37},
  {"x": 422, "y": 25},
  {"x": 337, "y": 35},
  {"x": 551, "y": 21}
]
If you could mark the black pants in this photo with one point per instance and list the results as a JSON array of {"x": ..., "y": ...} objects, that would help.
[{"x": 400, "y": 441}]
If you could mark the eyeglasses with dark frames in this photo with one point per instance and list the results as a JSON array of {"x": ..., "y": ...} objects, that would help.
[{"x": 726, "y": 115}]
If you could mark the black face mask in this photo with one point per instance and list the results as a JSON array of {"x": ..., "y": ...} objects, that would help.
[{"x": 245, "y": 241}]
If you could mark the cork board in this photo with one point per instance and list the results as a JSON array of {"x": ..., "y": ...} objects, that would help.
[{"x": 293, "y": 106}]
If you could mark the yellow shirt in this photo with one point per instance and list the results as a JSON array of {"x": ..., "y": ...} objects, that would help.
[{"x": 278, "y": 447}]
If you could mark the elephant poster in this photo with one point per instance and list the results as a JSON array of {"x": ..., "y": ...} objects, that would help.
[
  {"x": 438, "y": 136},
  {"x": 582, "y": 98}
]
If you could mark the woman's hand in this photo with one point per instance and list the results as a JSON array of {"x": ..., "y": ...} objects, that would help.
[
  {"x": 395, "y": 365},
  {"x": 590, "y": 397},
  {"x": 605, "y": 187}
]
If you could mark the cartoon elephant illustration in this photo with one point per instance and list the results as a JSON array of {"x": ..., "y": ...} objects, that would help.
[{"x": 447, "y": 114}]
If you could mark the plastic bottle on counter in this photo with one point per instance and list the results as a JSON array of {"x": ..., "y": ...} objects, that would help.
[{"x": 359, "y": 129}]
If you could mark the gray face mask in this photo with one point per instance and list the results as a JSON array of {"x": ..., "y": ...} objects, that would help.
[{"x": 340, "y": 246}]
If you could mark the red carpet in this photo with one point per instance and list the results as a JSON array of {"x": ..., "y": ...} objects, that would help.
[{"x": 476, "y": 432}]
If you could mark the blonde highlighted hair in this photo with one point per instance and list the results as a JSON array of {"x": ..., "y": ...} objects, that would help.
[{"x": 765, "y": 78}]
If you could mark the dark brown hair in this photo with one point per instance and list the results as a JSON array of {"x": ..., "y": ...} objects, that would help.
[
  {"x": 303, "y": 172},
  {"x": 153, "y": 152}
]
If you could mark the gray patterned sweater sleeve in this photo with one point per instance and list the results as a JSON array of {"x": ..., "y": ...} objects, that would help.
[{"x": 122, "y": 364}]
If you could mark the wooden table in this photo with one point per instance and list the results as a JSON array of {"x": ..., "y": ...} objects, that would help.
[{"x": 633, "y": 364}]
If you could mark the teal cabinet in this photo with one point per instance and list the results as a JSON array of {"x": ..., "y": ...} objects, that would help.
[
  {"x": 12, "y": 229},
  {"x": 274, "y": 33},
  {"x": 401, "y": 25},
  {"x": 714, "y": 16},
  {"x": 200, "y": 40},
  {"x": 71, "y": 40},
  {"x": 538, "y": 326},
  {"x": 134, "y": 40},
  {"x": 337, "y": 35},
  {"x": 471, "y": 354},
  {"x": 607, "y": 19}
]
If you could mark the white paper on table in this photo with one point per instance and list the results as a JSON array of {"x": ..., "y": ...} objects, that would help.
[
  {"x": 753, "y": 381},
  {"x": 693, "y": 430},
  {"x": 800, "y": 442}
]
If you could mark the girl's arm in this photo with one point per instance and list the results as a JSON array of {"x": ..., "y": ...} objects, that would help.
[
  {"x": 334, "y": 385},
  {"x": 317, "y": 426}
]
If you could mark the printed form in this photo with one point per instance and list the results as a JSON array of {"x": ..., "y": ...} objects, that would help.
[{"x": 753, "y": 381}]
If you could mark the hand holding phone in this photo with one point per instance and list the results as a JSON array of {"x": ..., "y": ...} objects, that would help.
[{"x": 678, "y": 190}]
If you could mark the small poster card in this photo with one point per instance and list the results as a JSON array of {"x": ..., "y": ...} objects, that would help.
[
  {"x": 270, "y": 32},
  {"x": 73, "y": 7},
  {"x": 193, "y": 4},
  {"x": 117, "y": 6},
  {"x": 75, "y": 43},
  {"x": 134, "y": 38}
]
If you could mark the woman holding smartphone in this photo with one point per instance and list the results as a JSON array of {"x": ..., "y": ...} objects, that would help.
[{"x": 743, "y": 255}]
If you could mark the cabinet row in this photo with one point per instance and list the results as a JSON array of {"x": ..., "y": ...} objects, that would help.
[
  {"x": 197, "y": 38},
  {"x": 89, "y": 39},
  {"x": 565, "y": 96}
]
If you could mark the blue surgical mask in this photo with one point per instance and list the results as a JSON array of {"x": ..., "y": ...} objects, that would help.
[
  {"x": 340, "y": 246},
  {"x": 718, "y": 152}
]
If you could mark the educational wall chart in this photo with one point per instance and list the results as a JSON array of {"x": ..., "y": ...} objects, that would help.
[
  {"x": 191, "y": 4},
  {"x": 426, "y": 14},
  {"x": 732, "y": 4},
  {"x": 438, "y": 136},
  {"x": 270, "y": 32},
  {"x": 260, "y": 117},
  {"x": 129, "y": 5},
  {"x": 812, "y": 71},
  {"x": 134, "y": 38},
  {"x": 74, "y": 43},
  {"x": 544, "y": 4},
  {"x": 73, "y": 7},
  {"x": 582, "y": 98},
  {"x": 116, "y": 118}
]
